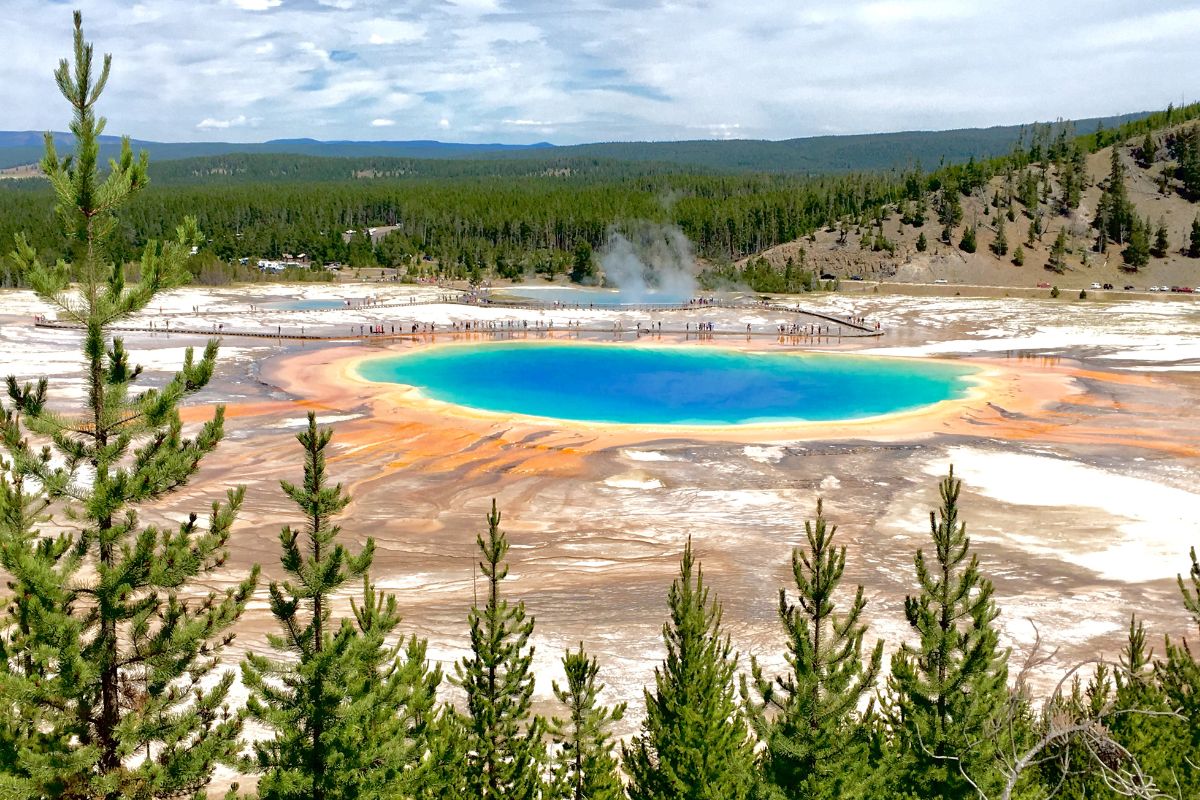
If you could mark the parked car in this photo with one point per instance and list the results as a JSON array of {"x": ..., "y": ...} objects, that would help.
[
  {"x": 1129, "y": 287},
  {"x": 1043, "y": 285},
  {"x": 1095, "y": 286},
  {"x": 828, "y": 276},
  {"x": 941, "y": 280},
  {"x": 1108, "y": 286}
]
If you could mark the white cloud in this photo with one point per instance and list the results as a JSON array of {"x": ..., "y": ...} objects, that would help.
[
  {"x": 210, "y": 123},
  {"x": 382, "y": 123},
  {"x": 476, "y": 6},
  {"x": 722, "y": 130},
  {"x": 1166, "y": 26},
  {"x": 606, "y": 70},
  {"x": 257, "y": 5},
  {"x": 394, "y": 31},
  {"x": 892, "y": 12}
]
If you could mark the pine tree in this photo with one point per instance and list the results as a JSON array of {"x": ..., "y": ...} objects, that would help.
[
  {"x": 968, "y": 242},
  {"x": 922, "y": 243},
  {"x": 694, "y": 744},
  {"x": 1000, "y": 244},
  {"x": 1072, "y": 175},
  {"x": 816, "y": 742},
  {"x": 1162, "y": 244},
  {"x": 1069, "y": 763},
  {"x": 1115, "y": 217},
  {"x": 443, "y": 773},
  {"x": 392, "y": 712},
  {"x": 348, "y": 715},
  {"x": 503, "y": 740},
  {"x": 1178, "y": 675},
  {"x": 949, "y": 208},
  {"x": 1148, "y": 151},
  {"x": 1058, "y": 252},
  {"x": 1140, "y": 720},
  {"x": 586, "y": 768},
  {"x": 947, "y": 236},
  {"x": 29, "y": 741},
  {"x": 582, "y": 267},
  {"x": 1028, "y": 191},
  {"x": 947, "y": 691},
  {"x": 1194, "y": 240},
  {"x": 1019, "y": 256},
  {"x": 1137, "y": 253},
  {"x": 107, "y": 659}
]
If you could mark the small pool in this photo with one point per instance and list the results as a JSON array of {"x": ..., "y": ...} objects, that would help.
[
  {"x": 307, "y": 305},
  {"x": 669, "y": 385},
  {"x": 575, "y": 296}
]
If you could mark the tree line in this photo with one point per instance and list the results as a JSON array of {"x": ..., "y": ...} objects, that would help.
[{"x": 458, "y": 224}]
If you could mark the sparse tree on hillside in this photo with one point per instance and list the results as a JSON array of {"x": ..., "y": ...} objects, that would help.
[
  {"x": 1058, "y": 252},
  {"x": 1137, "y": 252},
  {"x": 947, "y": 690},
  {"x": 1162, "y": 244},
  {"x": 504, "y": 744},
  {"x": 694, "y": 743},
  {"x": 815, "y": 743},
  {"x": 1148, "y": 152},
  {"x": 1115, "y": 215},
  {"x": 1035, "y": 231},
  {"x": 1186, "y": 149},
  {"x": 1019, "y": 256},
  {"x": 968, "y": 243},
  {"x": 585, "y": 766},
  {"x": 949, "y": 208},
  {"x": 1000, "y": 243},
  {"x": 1028, "y": 191},
  {"x": 922, "y": 243},
  {"x": 1194, "y": 240},
  {"x": 1072, "y": 173},
  {"x": 110, "y": 685}
]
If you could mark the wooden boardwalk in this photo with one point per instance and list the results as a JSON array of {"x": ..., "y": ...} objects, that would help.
[{"x": 826, "y": 327}]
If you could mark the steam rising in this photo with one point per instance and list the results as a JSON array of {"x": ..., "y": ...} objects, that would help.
[{"x": 654, "y": 265}]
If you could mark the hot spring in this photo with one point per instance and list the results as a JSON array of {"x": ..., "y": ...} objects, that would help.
[
  {"x": 577, "y": 296},
  {"x": 655, "y": 385},
  {"x": 307, "y": 305}
]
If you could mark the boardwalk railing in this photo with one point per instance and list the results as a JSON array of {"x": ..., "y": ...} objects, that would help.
[{"x": 835, "y": 328}]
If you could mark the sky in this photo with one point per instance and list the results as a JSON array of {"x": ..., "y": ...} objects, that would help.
[{"x": 568, "y": 71}]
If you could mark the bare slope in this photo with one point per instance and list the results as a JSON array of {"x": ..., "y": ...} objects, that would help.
[{"x": 844, "y": 255}]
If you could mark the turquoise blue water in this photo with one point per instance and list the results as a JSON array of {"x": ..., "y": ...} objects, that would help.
[
  {"x": 308, "y": 305},
  {"x": 669, "y": 385},
  {"x": 594, "y": 297}
]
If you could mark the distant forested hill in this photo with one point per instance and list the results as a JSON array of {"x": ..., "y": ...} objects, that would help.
[
  {"x": 814, "y": 155},
  {"x": 25, "y": 147},
  {"x": 831, "y": 154}
]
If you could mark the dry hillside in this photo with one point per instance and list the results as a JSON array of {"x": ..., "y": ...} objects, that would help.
[{"x": 829, "y": 251}]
